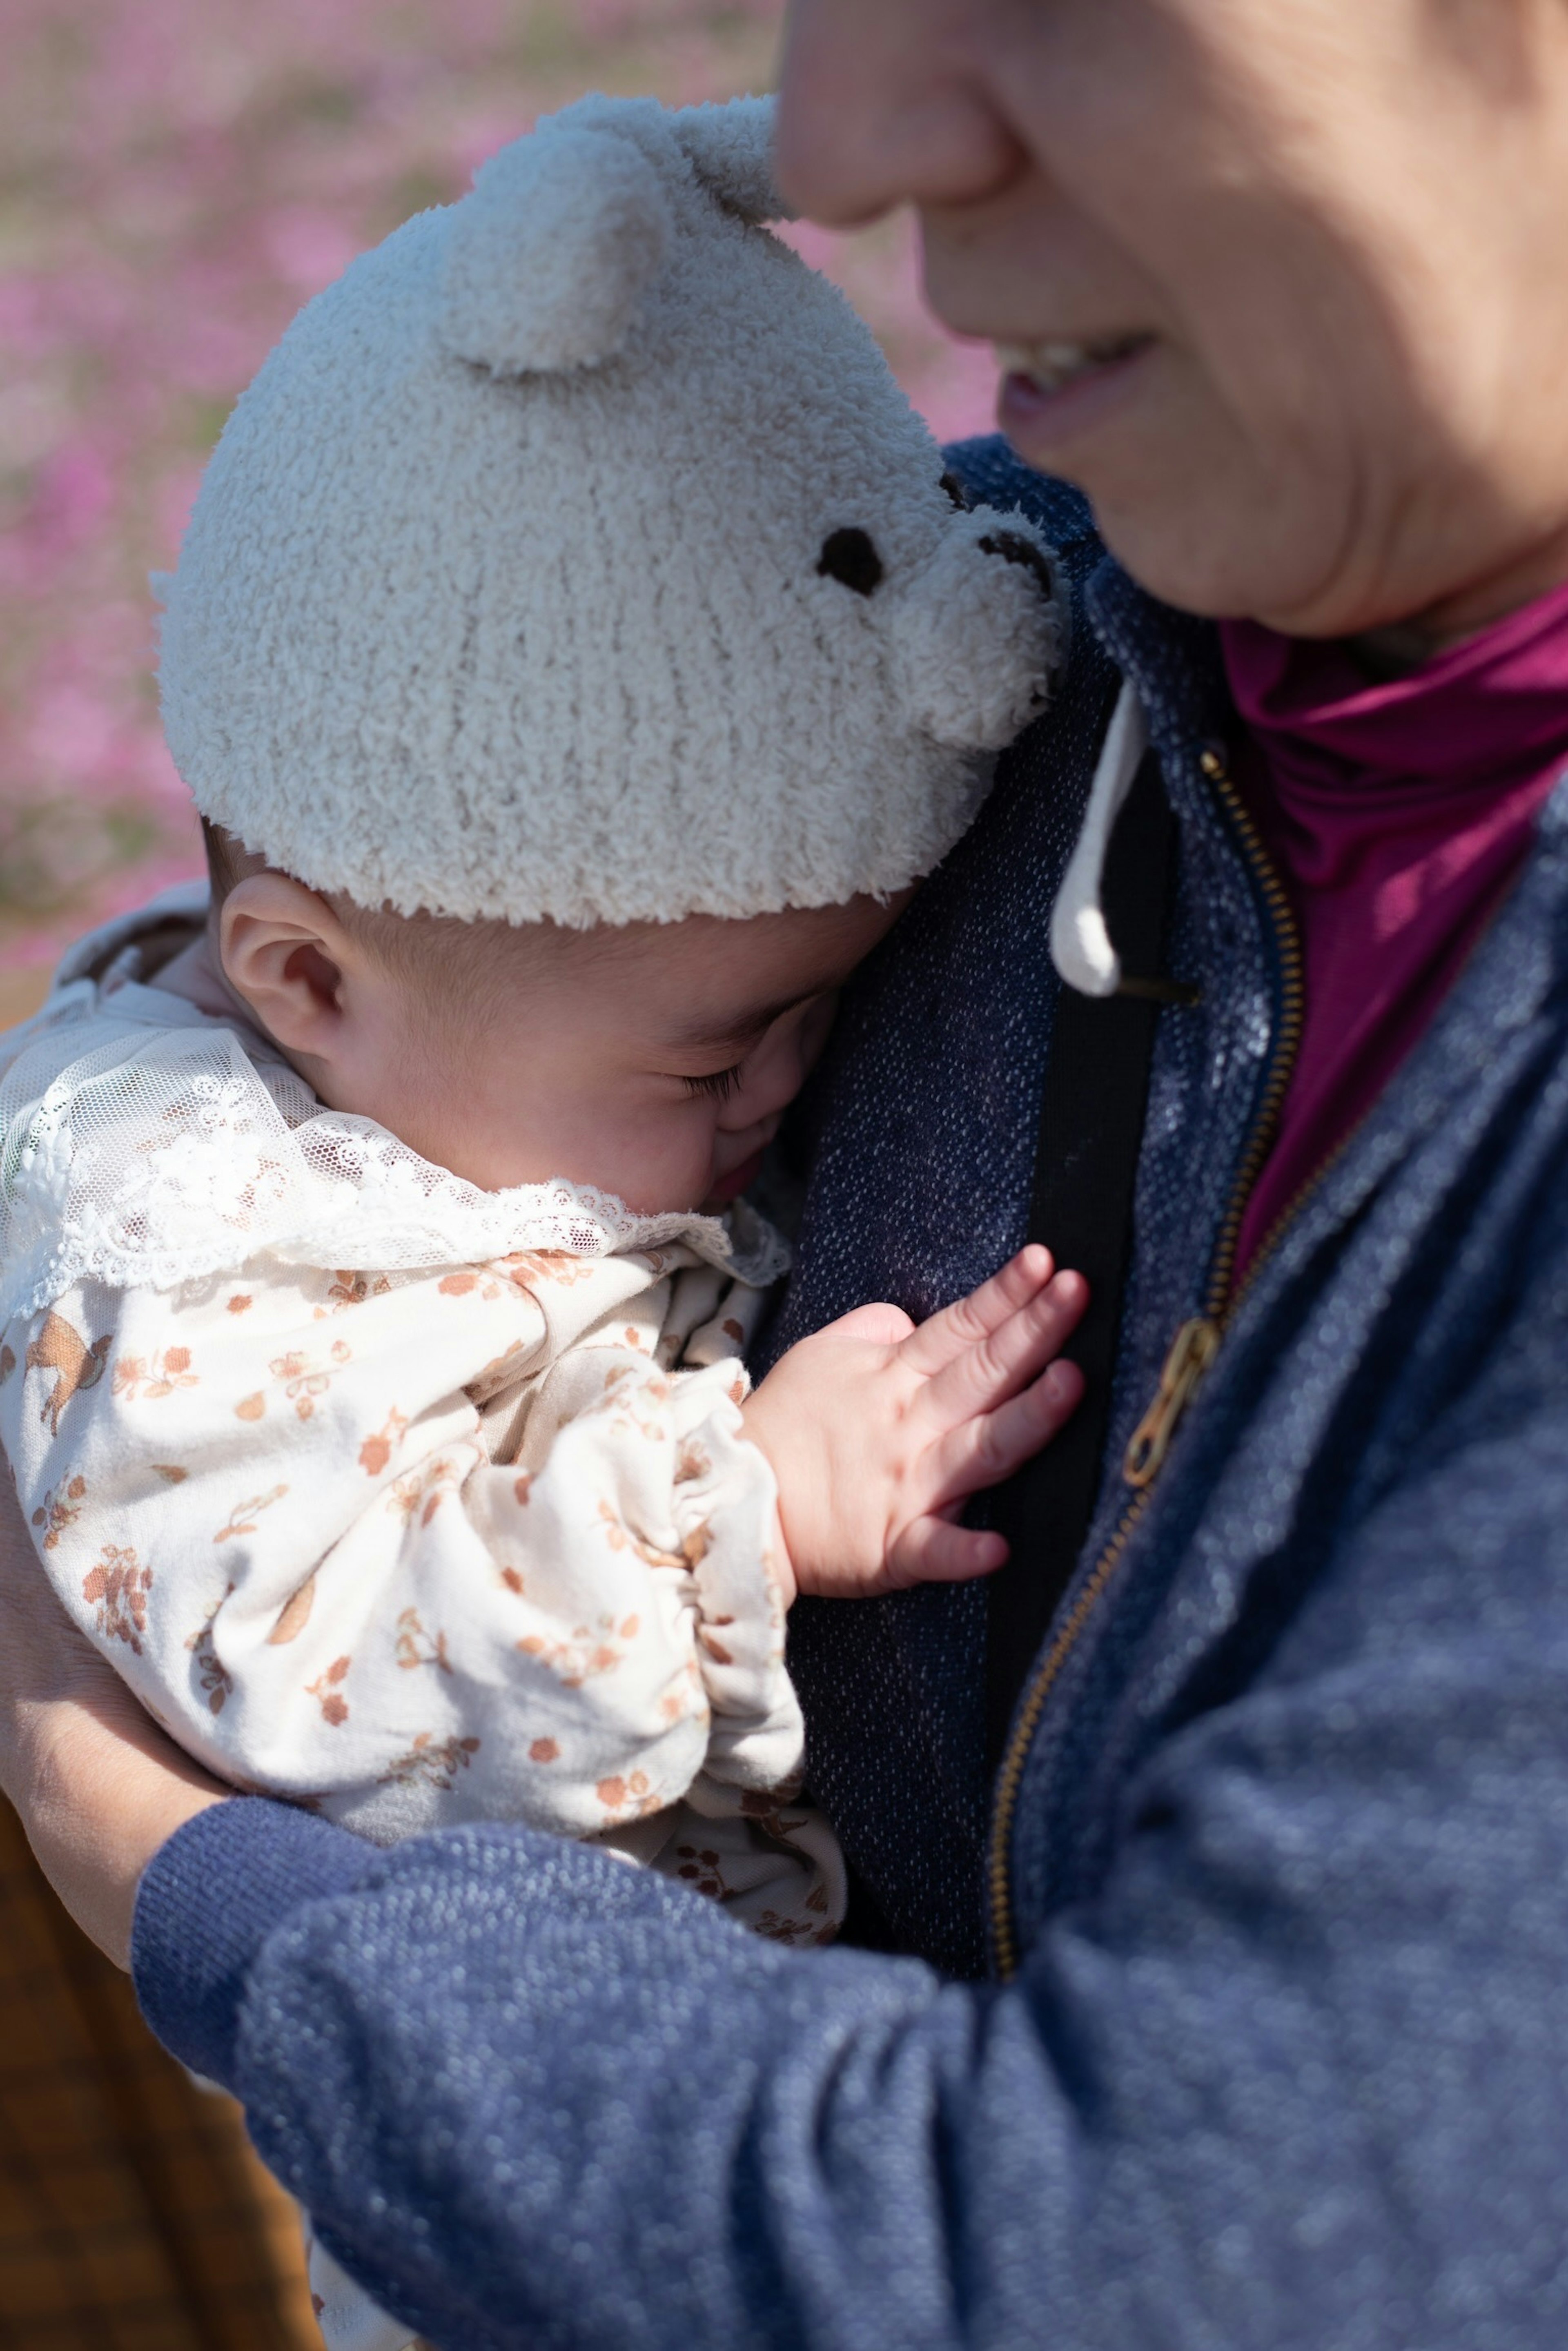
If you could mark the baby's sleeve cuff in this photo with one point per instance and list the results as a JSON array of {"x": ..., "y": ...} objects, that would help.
[
  {"x": 208, "y": 1900},
  {"x": 726, "y": 1508}
]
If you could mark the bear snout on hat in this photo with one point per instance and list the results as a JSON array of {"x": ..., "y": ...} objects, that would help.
[
  {"x": 575, "y": 556},
  {"x": 968, "y": 637}
]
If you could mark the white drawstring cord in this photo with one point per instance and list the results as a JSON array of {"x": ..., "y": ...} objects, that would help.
[{"x": 1081, "y": 945}]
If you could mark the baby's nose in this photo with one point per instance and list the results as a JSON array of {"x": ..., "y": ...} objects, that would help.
[
  {"x": 761, "y": 1095},
  {"x": 768, "y": 1083}
]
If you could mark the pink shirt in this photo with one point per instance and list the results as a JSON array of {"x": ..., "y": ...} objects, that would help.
[{"x": 1397, "y": 814}]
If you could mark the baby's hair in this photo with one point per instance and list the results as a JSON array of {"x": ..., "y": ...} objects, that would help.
[
  {"x": 228, "y": 861},
  {"x": 441, "y": 960}
]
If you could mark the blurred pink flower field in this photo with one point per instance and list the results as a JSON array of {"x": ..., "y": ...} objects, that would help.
[{"x": 178, "y": 177}]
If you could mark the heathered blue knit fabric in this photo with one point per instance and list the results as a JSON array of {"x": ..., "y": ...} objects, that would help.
[
  {"x": 271, "y": 1858},
  {"x": 1285, "y": 2063}
]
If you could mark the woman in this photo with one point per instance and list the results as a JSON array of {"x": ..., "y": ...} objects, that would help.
[{"x": 1274, "y": 2051}]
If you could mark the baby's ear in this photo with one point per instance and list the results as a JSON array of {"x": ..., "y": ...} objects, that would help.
[
  {"x": 550, "y": 258},
  {"x": 730, "y": 148}
]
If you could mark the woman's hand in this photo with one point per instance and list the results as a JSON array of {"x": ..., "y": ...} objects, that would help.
[{"x": 98, "y": 1786}]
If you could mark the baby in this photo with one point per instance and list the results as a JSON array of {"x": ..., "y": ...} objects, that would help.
[{"x": 569, "y": 659}]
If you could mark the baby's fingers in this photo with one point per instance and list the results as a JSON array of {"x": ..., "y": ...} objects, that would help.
[
  {"x": 969, "y": 1319},
  {"x": 989, "y": 1447},
  {"x": 931, "y": 1551},
  {"x": 1004, "y": 1363}
]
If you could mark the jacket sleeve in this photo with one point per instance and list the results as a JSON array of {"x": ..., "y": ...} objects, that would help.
[
  {"x": 1295, "y": 2073},
  {"x": 274, "y": 1507}
]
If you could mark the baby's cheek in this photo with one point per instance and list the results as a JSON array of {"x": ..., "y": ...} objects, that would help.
[
  {"x": 668, "y": 1162},
  {"x": 690, "y": 1170},
  {"x": 816, "y": 1026}
]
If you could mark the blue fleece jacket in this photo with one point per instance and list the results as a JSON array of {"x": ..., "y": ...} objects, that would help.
[{"x": 1272, "y": 2052}]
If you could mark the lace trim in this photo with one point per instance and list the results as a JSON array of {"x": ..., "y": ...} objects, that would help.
[{"x": 147, "y": 1148}]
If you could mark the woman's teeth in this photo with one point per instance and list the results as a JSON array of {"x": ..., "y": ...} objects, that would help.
[{"x": 1051, "y": 366}]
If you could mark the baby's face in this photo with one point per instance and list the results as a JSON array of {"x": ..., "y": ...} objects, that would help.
[{"x": 653, "y": 1061}]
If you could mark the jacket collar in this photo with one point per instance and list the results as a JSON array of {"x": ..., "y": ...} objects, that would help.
[
  {"x": 1171, "y": 658},
  {"x": 1173, "y": 663}
]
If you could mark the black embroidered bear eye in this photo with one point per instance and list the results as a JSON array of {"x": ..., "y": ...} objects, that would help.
[
  {"x": 1014, "y": 548},
  {"x": 851, "y": 558},
  {"x": 957, "y": 492}
]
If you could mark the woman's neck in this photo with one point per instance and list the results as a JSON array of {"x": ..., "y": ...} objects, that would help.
[{"x": 1397, "y": 647}]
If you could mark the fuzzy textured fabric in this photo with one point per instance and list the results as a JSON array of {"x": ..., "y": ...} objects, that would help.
[{"x": 576, "y": 557}]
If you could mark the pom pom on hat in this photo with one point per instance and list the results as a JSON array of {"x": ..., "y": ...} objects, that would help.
[{"x": 576, "y": 557}]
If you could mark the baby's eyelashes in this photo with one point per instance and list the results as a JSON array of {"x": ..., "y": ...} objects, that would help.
[{"x": 719, "y": 1083}]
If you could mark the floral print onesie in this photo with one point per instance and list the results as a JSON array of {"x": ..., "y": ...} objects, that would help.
[{"x": 477, "y": 1536}]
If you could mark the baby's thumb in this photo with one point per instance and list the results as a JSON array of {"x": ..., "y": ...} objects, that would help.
[
  {"x": 881, "y": 1324},
  {"x": 934, "y": 1550}
]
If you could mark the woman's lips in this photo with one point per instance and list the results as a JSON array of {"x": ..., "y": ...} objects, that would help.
[{"x": 1053, "y": 390}]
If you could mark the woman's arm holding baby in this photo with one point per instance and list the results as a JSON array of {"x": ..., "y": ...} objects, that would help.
[{"x": 97, "y": 1785}]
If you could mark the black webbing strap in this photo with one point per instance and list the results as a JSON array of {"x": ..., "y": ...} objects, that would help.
[{"x": 1091, "y": 1133}]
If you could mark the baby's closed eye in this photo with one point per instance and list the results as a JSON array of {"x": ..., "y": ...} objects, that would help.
[{"x": 719, "y": 1083}]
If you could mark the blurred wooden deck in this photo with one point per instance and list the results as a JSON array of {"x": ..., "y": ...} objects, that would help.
[{"x": 133, "y": 2214}]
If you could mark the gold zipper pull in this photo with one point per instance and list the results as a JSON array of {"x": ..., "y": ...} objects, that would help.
[{"x": 1193, "y": 1350}]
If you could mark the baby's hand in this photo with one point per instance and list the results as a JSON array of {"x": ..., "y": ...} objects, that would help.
[{"x": 879, "y": 1431}]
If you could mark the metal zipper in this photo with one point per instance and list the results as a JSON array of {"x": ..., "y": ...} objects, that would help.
[{"x": 1192, "y": 1351}]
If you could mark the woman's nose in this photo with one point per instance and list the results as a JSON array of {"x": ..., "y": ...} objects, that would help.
[{"x": 871, "y": 113}]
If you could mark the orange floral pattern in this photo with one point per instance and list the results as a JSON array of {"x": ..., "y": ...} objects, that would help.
[
  {"x": 350, "y": 1288},
  {"x": 328, "y": 1692},
  {"x": 212, "y": 1677},
  {"x": 377, "y": 1449},
  {"x": 60, "y": 1508},
  {"x": 57, "y": 1347},
  {"x": 631, "y": 1798},
  {"x": 421, "y": 1493},
  {"x": 585, "y": 1652},
  {"x": 416, "y": 1647},
  {"x": 149, "y": 1378},
  {"x": 306, "y": 1378},
  {"x": 556, "y": 1265},
  {"x": 242, "y": 1518},
  {"x": 435, "y": 1761},
  {"x": 117, "y": 1588},
  {"x": 495, "y": 1546}
]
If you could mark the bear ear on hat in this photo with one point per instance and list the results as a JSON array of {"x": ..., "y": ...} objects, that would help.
[
  {"x": 730, "y": 148},
  {"x": 550, "y": 259}
]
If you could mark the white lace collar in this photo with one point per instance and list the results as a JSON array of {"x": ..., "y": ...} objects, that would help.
[{"x": 143, "y": 1143}]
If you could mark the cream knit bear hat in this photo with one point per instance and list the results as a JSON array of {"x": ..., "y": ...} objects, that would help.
[{"x": 575, "y": 556}]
